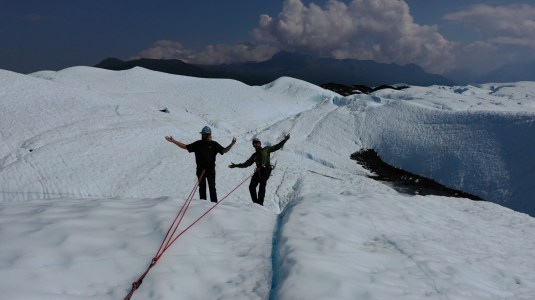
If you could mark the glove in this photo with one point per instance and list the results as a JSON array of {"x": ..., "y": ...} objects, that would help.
[{"x": 232, "y": 165}]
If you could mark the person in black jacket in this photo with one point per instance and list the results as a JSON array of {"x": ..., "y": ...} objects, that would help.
[
  {"x": 261, "y": 157},
  {"x": 205, "y": 151}
]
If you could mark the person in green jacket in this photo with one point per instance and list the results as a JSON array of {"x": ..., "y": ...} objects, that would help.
[{"x": 261, "y": 157}]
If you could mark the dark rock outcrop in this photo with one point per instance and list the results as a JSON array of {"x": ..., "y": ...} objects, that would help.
[
  {"x": 346, "y": 90},
  {"x": 403, "y": 181}
]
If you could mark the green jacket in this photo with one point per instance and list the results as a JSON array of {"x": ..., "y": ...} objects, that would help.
[{"x": 261, "y": 156}]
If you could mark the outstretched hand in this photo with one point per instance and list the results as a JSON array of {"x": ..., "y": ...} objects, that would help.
[
  {"x": 287, "y": 137},
  {"x": 234, "y": 140},
  {"x": 232, "y": 165},
  {"x": 169, "y": 138}
]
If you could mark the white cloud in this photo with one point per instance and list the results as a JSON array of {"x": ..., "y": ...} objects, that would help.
[
  {"x": 219, "y": 54},
  {"x": 212, "y": 54},
  {"x": 512, "y": 24},
  {"x": 164, "y": 49},
  {"x": 381, "y": 30},
  {"x": 507, "y": 35}
]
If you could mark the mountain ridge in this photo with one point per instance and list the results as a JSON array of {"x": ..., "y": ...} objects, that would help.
[{"x": 306, "y": 67}]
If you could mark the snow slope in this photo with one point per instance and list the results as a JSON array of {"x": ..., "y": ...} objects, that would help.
[
  {"x": 89, "y": 187},
  {"x": 477, "y": 139}
]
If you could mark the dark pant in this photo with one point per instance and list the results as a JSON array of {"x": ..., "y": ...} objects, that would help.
[
  {"x": 261, "y": 177},
  {"x": 209, "y": 175}
]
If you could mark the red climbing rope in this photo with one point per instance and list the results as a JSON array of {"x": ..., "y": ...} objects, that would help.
[
  {"x": 169, "y": 240},
  {"x": 181, "y": 212},
  {"x": 193, "y": 223}
]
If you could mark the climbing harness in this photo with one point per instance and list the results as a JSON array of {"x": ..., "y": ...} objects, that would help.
[{"x": 169, "y": 239}]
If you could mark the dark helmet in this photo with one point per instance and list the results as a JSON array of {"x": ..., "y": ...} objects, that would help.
[
  {"x": 206, "y": 130},
  {"x": 256, "y": 140}
]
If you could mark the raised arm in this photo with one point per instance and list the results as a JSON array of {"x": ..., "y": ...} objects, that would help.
[
  {"x": 172, "y": 140},
  {"x": 280, "y": 144},
  {"x": 229, "y": 146}
]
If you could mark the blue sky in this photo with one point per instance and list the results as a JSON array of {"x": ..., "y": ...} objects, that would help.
[{"x": 441, "y": 36}]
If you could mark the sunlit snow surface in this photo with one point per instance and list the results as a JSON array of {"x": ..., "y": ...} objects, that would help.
[{"x": 89, "y": 187}]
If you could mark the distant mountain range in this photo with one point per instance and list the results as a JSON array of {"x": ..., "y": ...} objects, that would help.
[
  {"x": 523, "y": 71},
  {"x": 319, "y": 71},
  {"x": 301, "y": 66}
]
